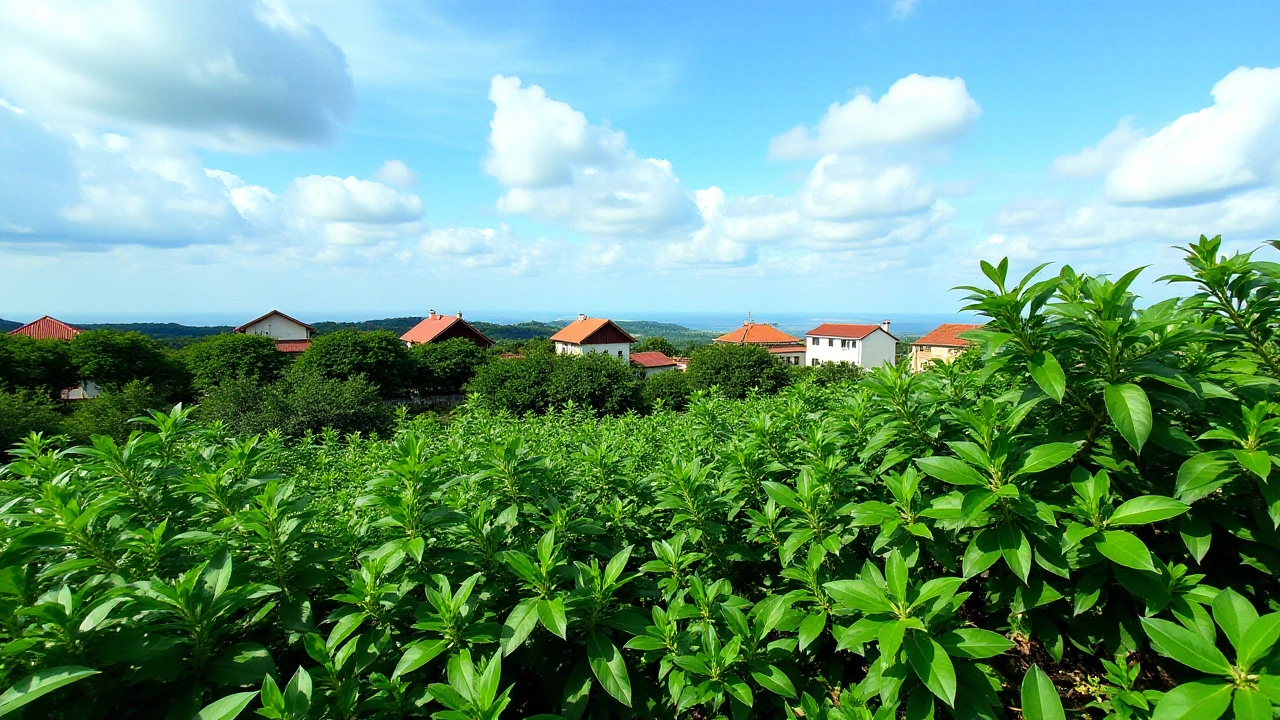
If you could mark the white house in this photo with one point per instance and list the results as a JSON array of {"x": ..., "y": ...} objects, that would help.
[
  {"x": 290, "y": 335},
  {"x": 867, "y": 346},
  {"x": 653, "y": 362},
  {"x": 593, "y": 335}
]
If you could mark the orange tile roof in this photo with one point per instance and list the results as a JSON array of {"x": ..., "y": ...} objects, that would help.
[
  {"x": 47, "y": 328},
  {"x": 267, "y": 315},
  {"x": 434, "y": 325},
  {"x": 752, "y": 333},
  {"x": 577, "y": 332},
  {"x": 947, "y": 335},
  {"x": 652, "y": 359},
  {"x": 843, "y": 330},
  {"x": 292, "y": 346}
]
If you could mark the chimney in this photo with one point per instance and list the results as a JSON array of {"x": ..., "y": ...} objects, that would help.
[
  {"x": 581, "y": 317},
  {"x": 885, "y": 326},
  {"x": 432, "y": 314},
  {"x": 459, "y": 314}
]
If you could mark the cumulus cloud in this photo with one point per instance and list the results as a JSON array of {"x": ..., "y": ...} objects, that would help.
[
  {"x": 496, "y": 248},
  {"x": 395, "y": 172},
  {"x": 557, "y": 166},
  {"x": 851, "y": 188},
  {"x": 917, "y": 109},
  {"x": 1099, "y": 159},
  {"x": 352, "y": 200},
  {"x": 1229, "y": 146},
  {"x": 234, "y": 75}
]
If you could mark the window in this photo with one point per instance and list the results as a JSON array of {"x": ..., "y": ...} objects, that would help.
[
  {"x": 816, "y": 341},
  {"x": 831, "y": 342},
  {"x": 619, "y": 353},
  {"x": 814, "y": 362}
]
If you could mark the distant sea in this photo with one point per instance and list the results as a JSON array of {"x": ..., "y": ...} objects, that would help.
[{"x": 795, "y": 323}]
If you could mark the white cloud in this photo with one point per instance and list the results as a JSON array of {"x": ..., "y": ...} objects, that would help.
[
  {"x": 1227, "y": 147},
  {"x": 395, "y": 172},
  {"x": 1099, "y": 159},
  {"x": 233, "y": 75},
  {"x": 902, "y": 9},
  {"x": 496, "y": 248},
  {"x": 558, "y": 167},
  {"x": 852, "y": 188},
  {"x": 352, "y": 200},
  {"x": 916, "y": 109}
]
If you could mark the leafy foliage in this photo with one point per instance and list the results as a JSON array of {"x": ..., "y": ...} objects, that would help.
[
  {"x": 233, "y": 356},
  {"x": 1077, "y": 518},
  {"x": 379, "y": 356},
  {"x": 736, "y": 370}
]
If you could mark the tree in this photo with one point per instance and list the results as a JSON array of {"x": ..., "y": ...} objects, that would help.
[
  {"x": 110, "y": 413},
  {"x": 23, "y": 412},
  {"x": 302, "y": 401},
  {"x": 379, "y": 356},
  {"x": 45, "y": 365},
  {"x": 671, "y": 387},
  {"x": 113, "y": 359},
  {"x": 830, "y": 373},
  {"x": 519, "y": 386},
  {"x": 601, "y": 382},
  {"x": 444, "y": 368},
  {"x": 232, "y": 356},
  {"x": 656, "y": 343},
  {"x": 736, "y": 369}
]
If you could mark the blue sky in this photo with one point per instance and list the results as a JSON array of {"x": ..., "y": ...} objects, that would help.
[{"x": 346, "y": 159}]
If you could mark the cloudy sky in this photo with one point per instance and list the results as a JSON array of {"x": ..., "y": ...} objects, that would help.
[{"x": 338, "y": 158}]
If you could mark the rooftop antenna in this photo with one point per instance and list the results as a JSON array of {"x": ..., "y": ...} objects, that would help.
[{"x": 749, "y": 320}]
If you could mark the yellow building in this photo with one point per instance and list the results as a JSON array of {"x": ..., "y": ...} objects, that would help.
[{"x": 942, "y": 343}]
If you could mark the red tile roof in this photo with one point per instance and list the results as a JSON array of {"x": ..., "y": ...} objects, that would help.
[
  {"x": 580, "y": 330},
  {"x": 843, "y": 330},
  {"x": 292, "y": 346},
  {"x": 434, "y": 326},
  {"x": 752, "y": 333},
  {"x": 267, "y": 315},
  {"x": 652, "y": 359},
  {"x": 47, "y": 328},
  {"x": 947, "y": 335}
]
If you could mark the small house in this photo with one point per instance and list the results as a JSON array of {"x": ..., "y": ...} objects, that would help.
[
  {"x": 867, "y": 346},
  {"x": 593, "y": 335},
  {"x": 786, "y": 348},
  {"x": 652, "y": 363},
  {"x": 49, "y": 328},
  {"x": 291, "y": 336},
  {"x": 943, "y": 344},
  {"x": 438, "y": 328}
]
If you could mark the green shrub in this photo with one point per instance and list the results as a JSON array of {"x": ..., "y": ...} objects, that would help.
[
  {"x": 23, "y": 412},
  {"x": 113, "y": 359},
  {"x": 736, "y": 370},
  {"x": 444, "y": 368},
  {"x": 301, "y": 403},
  {"x": 233, "y": 356},
  {"x": 828, "y": 373},
  {"x": 111, "y": 412},
  {"x": 43, "y": 365},
  {"x": 380, "y": 356},
  {"x": 603, "y": 383},
  {"x": 519, "y": 386},
  {"x": 656, "y": 343},
  {"x": 671, "y": 387}
]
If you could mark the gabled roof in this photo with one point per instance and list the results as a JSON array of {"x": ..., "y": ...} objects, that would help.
[
  {"x": 257, "y": 320},
  {"x": 753, "y": 333},
  {"x": 947, "y": 335},
  {"x": 653, "y": 359},
  {"x": 434, "y": 326},
  {"x": 845, "y": 330},
  {"x": 580, "y": 331},
  {"x": 47, "y": 328}
]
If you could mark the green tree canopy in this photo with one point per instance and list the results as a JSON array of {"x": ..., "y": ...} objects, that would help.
[
  {"x": 671, "y": 387},
  {"x": 44, "y": 365},
  {"x": 656, "y": 343},
  {"x": 736, "y": 369},
  {"x": 379, "y": 356},
  {"x": 519, "y": 385},
  {"x": 112, "y": 359},
  {"x": 444, "y": 368},
  {"x": 601, "y": 382},
  {"x": 233, "y": 356}
]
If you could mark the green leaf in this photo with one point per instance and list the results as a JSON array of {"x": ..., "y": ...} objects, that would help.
[
  {"x": 551, "y": 613},
  {"x": 1197, "y": 534},
  {"x": 1016, "y": 550},
  {"x": 227, "y": 708},
  {"x": 932, "y": 665},
  {"x": 1147, "y": 509},
  {"x": 1040, "y": 700},
  {"x": 577, "y": 690},
  {"x": 1234, "y": 615},
  {"x": 1262, "y": 636},
  {"x": 1257, "y": 462},
  {"x": 1199, "y": 700},
  {"x": 951, "y": 470},
  {"x": 775, "y": 681},
  {"x": 1045, "y": 457},
  {"x": 858, "y": 595},
  {"x": 811, "y": 627},
  {"x": 1047, "y": 373},
  {"x": 41, "y": 683},
  {"x": 1251, "y": 704},
  {"x": 1125, "y": 549},
  {"x": 1130, "y": 411},
  {"x": 1201, "y": 473},
  {"x": 974, "y": 643},
  {"x": 609, "y": 668},
  {"x": 895, "y": 575},
  {"x": 418, "y": 654},
  {"x": 1186, "y": 646},
  {"x": 522, "y": 620}
]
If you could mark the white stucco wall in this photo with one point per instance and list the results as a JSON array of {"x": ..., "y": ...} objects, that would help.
[
  {"x": 876, "y": 349},
  {"x": 279, "y": 328},
  {"x": 609, "y": 348}
]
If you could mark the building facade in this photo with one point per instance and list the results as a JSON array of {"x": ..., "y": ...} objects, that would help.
[
  {"x": 653, "y": 362},
  {"x": 291, "y": 336},
  {"x": 867, "y": 346},
  {"x": 594, "y": 335},
  {"x": 942, "y": 344}
]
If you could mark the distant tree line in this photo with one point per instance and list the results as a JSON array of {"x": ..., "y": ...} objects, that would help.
[{"x": 350, "y": 380}]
